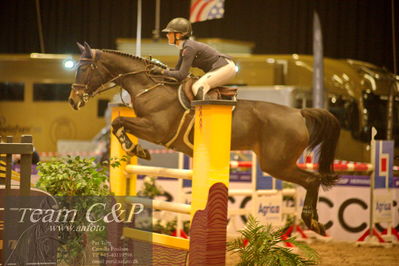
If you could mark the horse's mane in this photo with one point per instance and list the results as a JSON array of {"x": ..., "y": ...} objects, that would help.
[{"x": 145, "y": 60}]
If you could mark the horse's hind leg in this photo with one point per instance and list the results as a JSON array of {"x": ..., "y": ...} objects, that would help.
[
  {"x": 309, "y": 211},
  {"x": 310, "y": 181}
]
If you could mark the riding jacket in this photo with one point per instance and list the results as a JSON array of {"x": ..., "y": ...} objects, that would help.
[{"x": 197, "y": 54}]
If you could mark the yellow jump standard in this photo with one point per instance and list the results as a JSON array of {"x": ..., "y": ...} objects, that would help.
[
  {"x": 210, "y": 176},
  {"x": 211, "y": 172},
  {"x": 118, "y": 181}
]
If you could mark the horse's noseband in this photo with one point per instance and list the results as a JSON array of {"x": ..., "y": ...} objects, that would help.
[{"x": 77, "y": 88}]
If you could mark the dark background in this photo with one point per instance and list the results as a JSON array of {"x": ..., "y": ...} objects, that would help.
[{"x": 357, "y": 29}]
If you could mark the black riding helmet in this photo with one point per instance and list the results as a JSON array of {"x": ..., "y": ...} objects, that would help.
[{"x": 179, "y": 25}]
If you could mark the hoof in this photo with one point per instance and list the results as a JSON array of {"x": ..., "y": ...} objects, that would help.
[
  {"x": 318, "y": 228},
  {"x": 142, "y": 153},
  {"x": 129, "y": 151},
  {"x": 137, "y": 150}
]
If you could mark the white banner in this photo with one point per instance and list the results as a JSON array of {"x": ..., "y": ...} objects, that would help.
[
  {"x": 269, "y": 209},
  {"x": 344, "y": 210},
  {"x": 382, "y": 206}
]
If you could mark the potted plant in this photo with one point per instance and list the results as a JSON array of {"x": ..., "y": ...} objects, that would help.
[
  {"x": 263, "y": 245},
  {"x": 76, "y": 183}
]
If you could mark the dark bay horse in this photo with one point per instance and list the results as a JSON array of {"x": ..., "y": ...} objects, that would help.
[{"x": 277, "y": 134}]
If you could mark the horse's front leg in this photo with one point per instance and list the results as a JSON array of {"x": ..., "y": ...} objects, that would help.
[{"x": 137, "y": 126}]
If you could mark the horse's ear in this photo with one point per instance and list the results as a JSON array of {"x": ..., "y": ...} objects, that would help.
[
  {"x": 81, "y": 47},
  {"x": 88, "y": 52}
]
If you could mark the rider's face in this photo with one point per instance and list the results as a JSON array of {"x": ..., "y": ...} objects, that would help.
[{"x": 171, "y": 37}]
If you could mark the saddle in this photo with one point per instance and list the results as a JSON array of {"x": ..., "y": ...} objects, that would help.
[{"x": 219, "y": 93}]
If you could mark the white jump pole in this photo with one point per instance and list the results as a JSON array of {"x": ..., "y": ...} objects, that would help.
[{"x": 159, "y": 171}]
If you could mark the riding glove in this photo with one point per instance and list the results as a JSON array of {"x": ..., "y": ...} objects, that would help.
[{"x": 157, "y": 70}]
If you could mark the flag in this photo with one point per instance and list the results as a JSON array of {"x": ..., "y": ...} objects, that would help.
[{"x": 206, "y": 9}]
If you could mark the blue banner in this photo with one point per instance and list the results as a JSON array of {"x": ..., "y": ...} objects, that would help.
[{"x": 383, "y": 172}]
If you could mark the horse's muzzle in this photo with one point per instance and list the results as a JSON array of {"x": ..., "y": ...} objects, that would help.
[{"x": 78, "y": 97}]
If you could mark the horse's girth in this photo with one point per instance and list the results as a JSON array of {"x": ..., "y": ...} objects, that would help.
[{"x": 190, "y": 123}]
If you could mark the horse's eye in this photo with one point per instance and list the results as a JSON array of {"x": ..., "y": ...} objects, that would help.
[{"x": 83, "y": 69}]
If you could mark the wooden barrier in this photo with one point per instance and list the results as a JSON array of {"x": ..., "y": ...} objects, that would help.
[
  {"x": 7, "y": 149},
  {"x": 25, "y": 149},
  {"x": 15, "y": 176}
]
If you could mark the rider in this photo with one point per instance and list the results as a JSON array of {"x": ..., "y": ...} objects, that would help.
[{"x": 219, "y": 68}]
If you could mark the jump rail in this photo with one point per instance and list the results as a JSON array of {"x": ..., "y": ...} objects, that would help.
[
  {"x": 263, "y": 192},
  {"x": 350, "y": 166},
  {"x": 161, "y": 205},
  {"x": 159, "y": 171}
]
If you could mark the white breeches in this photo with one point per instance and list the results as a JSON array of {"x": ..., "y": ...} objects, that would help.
[{"x": 216, "y": 78}]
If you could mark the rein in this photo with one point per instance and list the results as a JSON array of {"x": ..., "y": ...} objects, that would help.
[{"x": 102, "y": 87}]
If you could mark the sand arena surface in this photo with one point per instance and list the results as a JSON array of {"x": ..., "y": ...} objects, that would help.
[{"x": 344, "y": 253}]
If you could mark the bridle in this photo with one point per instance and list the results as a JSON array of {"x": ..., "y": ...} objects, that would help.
[{"x": 76, "y": 87}]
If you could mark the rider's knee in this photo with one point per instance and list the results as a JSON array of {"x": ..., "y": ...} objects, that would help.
[{"x": 197, "y": 85}]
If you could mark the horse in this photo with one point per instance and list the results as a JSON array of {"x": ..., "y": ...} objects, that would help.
[{"x": 277, "y": 134}]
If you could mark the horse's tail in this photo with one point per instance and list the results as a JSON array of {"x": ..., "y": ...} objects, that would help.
[{"x": 323, "y": 129}]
